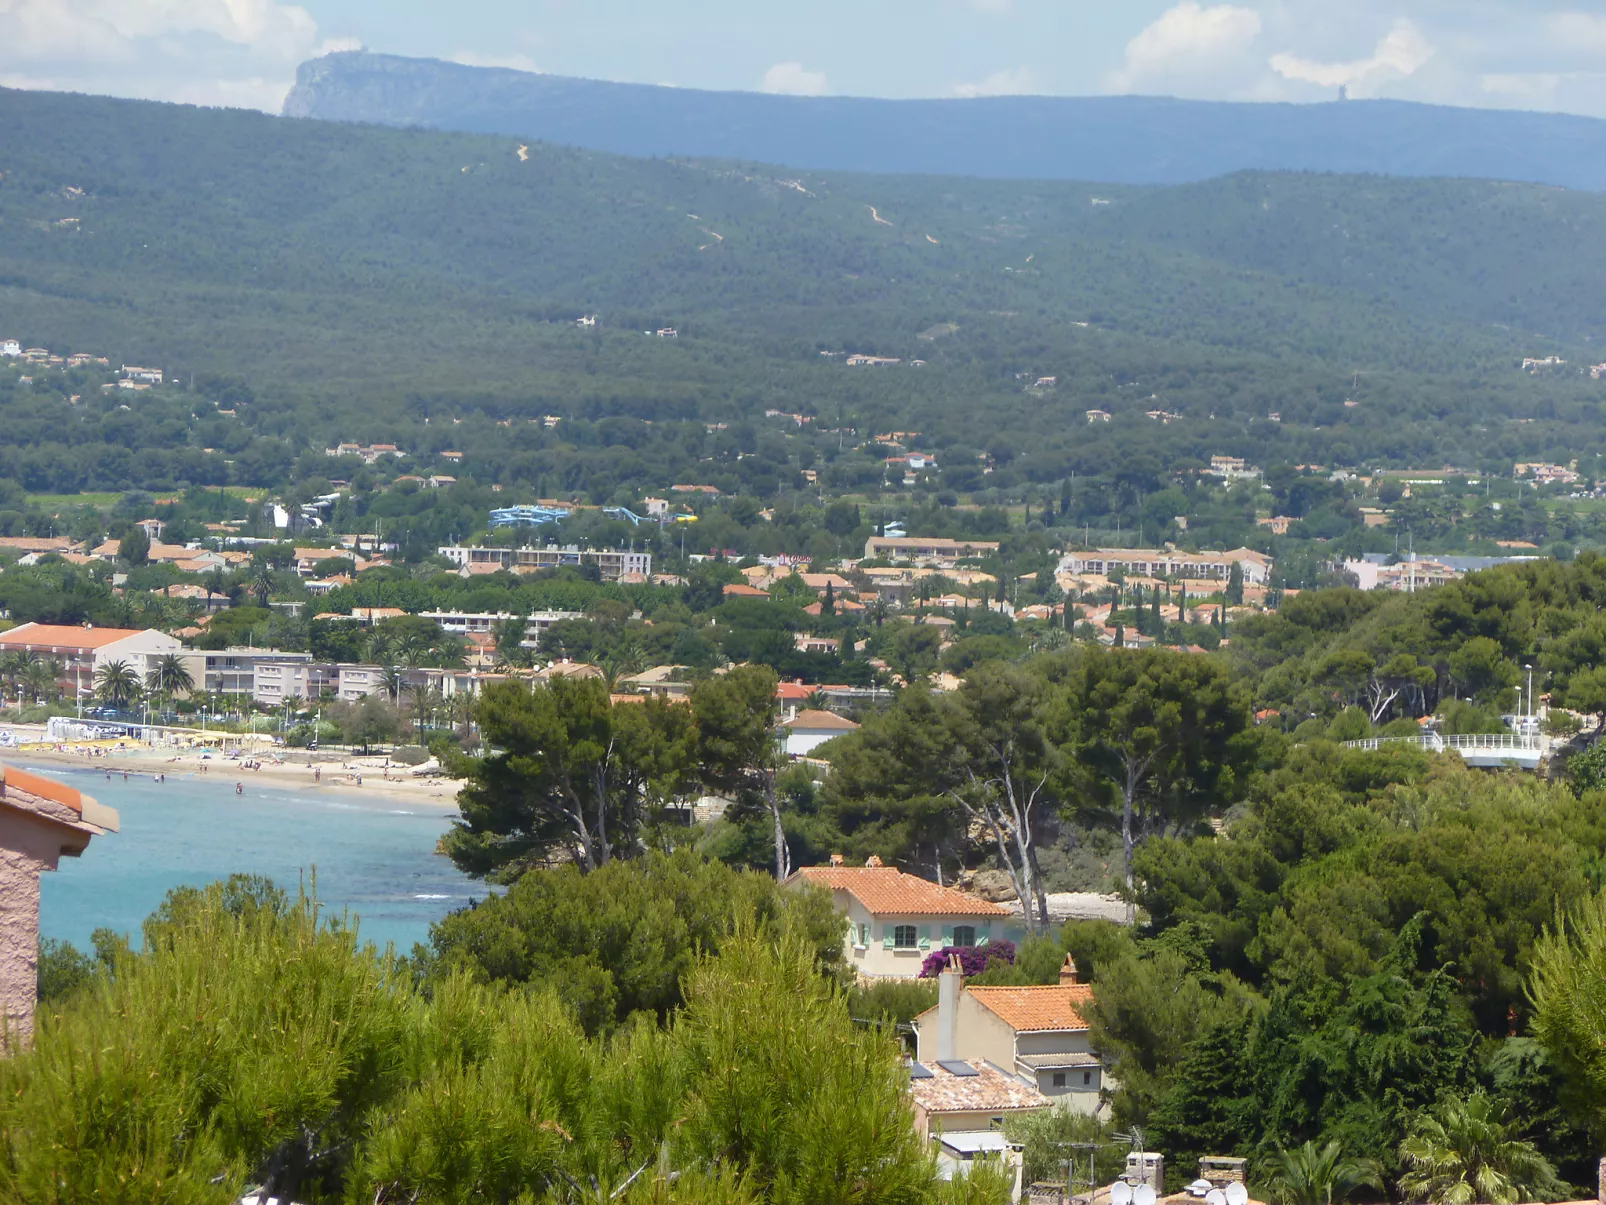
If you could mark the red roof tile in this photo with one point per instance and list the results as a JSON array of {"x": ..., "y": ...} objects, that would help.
[
  {"x": 820, "y": 721},
  {"x": 885, "y": 889},
  {"x": 1053, "y": 1007},
  {"x": 64, "y": 636}
]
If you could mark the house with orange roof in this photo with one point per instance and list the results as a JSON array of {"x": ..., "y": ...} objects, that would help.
[
  {"x": 959, "y": 1095},
  {"x": 41, "y": 822},
  {"x": 83, "y": 651},
  {"x": 738, "y": 590},
  {"x": 794, "y": 692},
  {"x": 41, "y": 545},
  {"x": 1039, "y": 1034},
  {"x": 808, "y": 729},
  {"x": 896, "y": 919}
]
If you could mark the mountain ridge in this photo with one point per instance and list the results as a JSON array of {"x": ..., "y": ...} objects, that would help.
[{"x": 1118, "y": 139}]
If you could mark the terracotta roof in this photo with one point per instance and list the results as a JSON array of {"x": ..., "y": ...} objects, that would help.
[
  {"x": 820, "y": 720},
  {"x": 885, "y": 889},
  {"x": 37, "y": 544},
  {"x": 64, "y": 636},
  {"x": 25, "y": 783},
  {"x": 736, "y": 590},
  {"x": 988, "y": 1091},
  {"x": 793, "y": 691},
  {"x": 1052, "y": 1007}
]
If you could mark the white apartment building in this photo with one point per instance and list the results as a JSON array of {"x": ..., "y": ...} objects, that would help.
[
  {"x": 84, "y": 651},
  {"x": 1168, "y": 562},
  {"x": 233, "y": 671},
  {"x": 483, "y": 623},
  {"x": 612, "y": 563},
  {"x": 928, "y": 550},
  {"x": 295, "y": 675}
]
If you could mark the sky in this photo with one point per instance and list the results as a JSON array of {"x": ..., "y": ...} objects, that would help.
[{"x": 1527, "y": 54}]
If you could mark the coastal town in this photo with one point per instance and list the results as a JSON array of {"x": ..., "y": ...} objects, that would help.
[{"x": 573, "y": 642}]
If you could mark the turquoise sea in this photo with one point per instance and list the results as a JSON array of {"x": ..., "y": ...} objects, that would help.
[{"x": 374, "y": 857}]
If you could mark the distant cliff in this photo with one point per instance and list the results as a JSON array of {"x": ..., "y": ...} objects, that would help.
[{"x": 1132, "y": 140}]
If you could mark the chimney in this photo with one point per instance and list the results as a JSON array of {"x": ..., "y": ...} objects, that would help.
[
  {"x": 872, "y": 860},
  {"x": 948, "y": 985},
  {"x": 837, "y": 860},
  {"x": 1068, "y": 972}
]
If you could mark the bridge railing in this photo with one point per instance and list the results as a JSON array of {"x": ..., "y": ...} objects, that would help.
[{"x": 1479, "y": 742}]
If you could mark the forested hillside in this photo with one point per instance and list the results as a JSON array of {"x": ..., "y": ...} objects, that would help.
[{"x": 329, "y": 267}]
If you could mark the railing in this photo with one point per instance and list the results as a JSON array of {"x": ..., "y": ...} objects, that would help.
[{"x": 1480, "y": 742}]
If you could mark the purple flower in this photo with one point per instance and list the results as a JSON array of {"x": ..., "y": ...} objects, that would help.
[{"x": 973, "y": 960}]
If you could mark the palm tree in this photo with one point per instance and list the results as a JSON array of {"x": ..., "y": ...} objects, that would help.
[
  {"x": 13, "y": 669},
  {"x": 878, "y": 610},
  {"x": 41, "y": 678},
  {"x": 414, "y": 650},
  {"x": 262, "y": 582},
  {"x": 1311, "y": 1175},
  {"x": 395, "y": 678},
  {"x": 117, "y": 683},
  {"x": 460, "y": 710},
  {"x": 424, "y": 699},
  {"x": 1465, "y": 1151},
  {"x": 171, "y": 676}
]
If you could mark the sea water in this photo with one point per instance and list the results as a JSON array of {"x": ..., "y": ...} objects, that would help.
[{"x": 374, "y": 857}]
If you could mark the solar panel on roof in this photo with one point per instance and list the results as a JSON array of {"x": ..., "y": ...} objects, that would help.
[
  {"x": 920, "y": 1071},
  {"x": 957, "y": 1067}
]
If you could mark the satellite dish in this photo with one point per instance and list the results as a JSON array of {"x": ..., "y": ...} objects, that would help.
[
  {"x": 1120, "y": 1193},
  {"x": 1143, "y": 1194},
  {"x": 1237, "y": 1194},
  {"x": 1215, "y": 1197}
]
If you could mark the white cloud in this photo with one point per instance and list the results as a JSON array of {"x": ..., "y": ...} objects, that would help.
[
  {"x": 220, "y": 52},
  {"x": 1577, "y": 31},
  {"x": 790, "y": 79},
  {"x": 1188, "y": 47},
  {"x": 1402, "y": 52},
  {"x": 514, "y": 62},
  {"x": 1013, "y": 81}
]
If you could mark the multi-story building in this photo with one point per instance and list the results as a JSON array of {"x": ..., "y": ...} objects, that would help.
[
  {"x": 1168, "y": 562},
  {"x": 483, "y": 623},
  {"x": 234, "y": 671},
  {"x": 928, "y": 550},
  {"x": 612, "y": 563},
  {"x": 83, "y": 651},
  {"x": 296, "y": 676},
  {"x": 896, "y": 919}
]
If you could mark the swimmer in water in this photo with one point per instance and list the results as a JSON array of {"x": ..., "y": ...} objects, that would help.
[{"x": 239, "y": 788}]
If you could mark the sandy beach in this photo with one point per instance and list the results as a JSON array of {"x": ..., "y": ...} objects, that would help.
[{"x": 368, "y": 776}]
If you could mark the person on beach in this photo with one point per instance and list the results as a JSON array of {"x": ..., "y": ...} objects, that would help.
[{"x": 239, "y": 788}]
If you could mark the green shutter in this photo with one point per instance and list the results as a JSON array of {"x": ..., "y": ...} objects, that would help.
[
  {"x": 947, "y": 936},
  {"x": 887, "y": 941},
  {"x": 925, "y": 937}
]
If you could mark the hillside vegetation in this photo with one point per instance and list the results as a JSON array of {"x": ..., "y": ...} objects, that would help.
[{"x": 333, "y": 266}]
